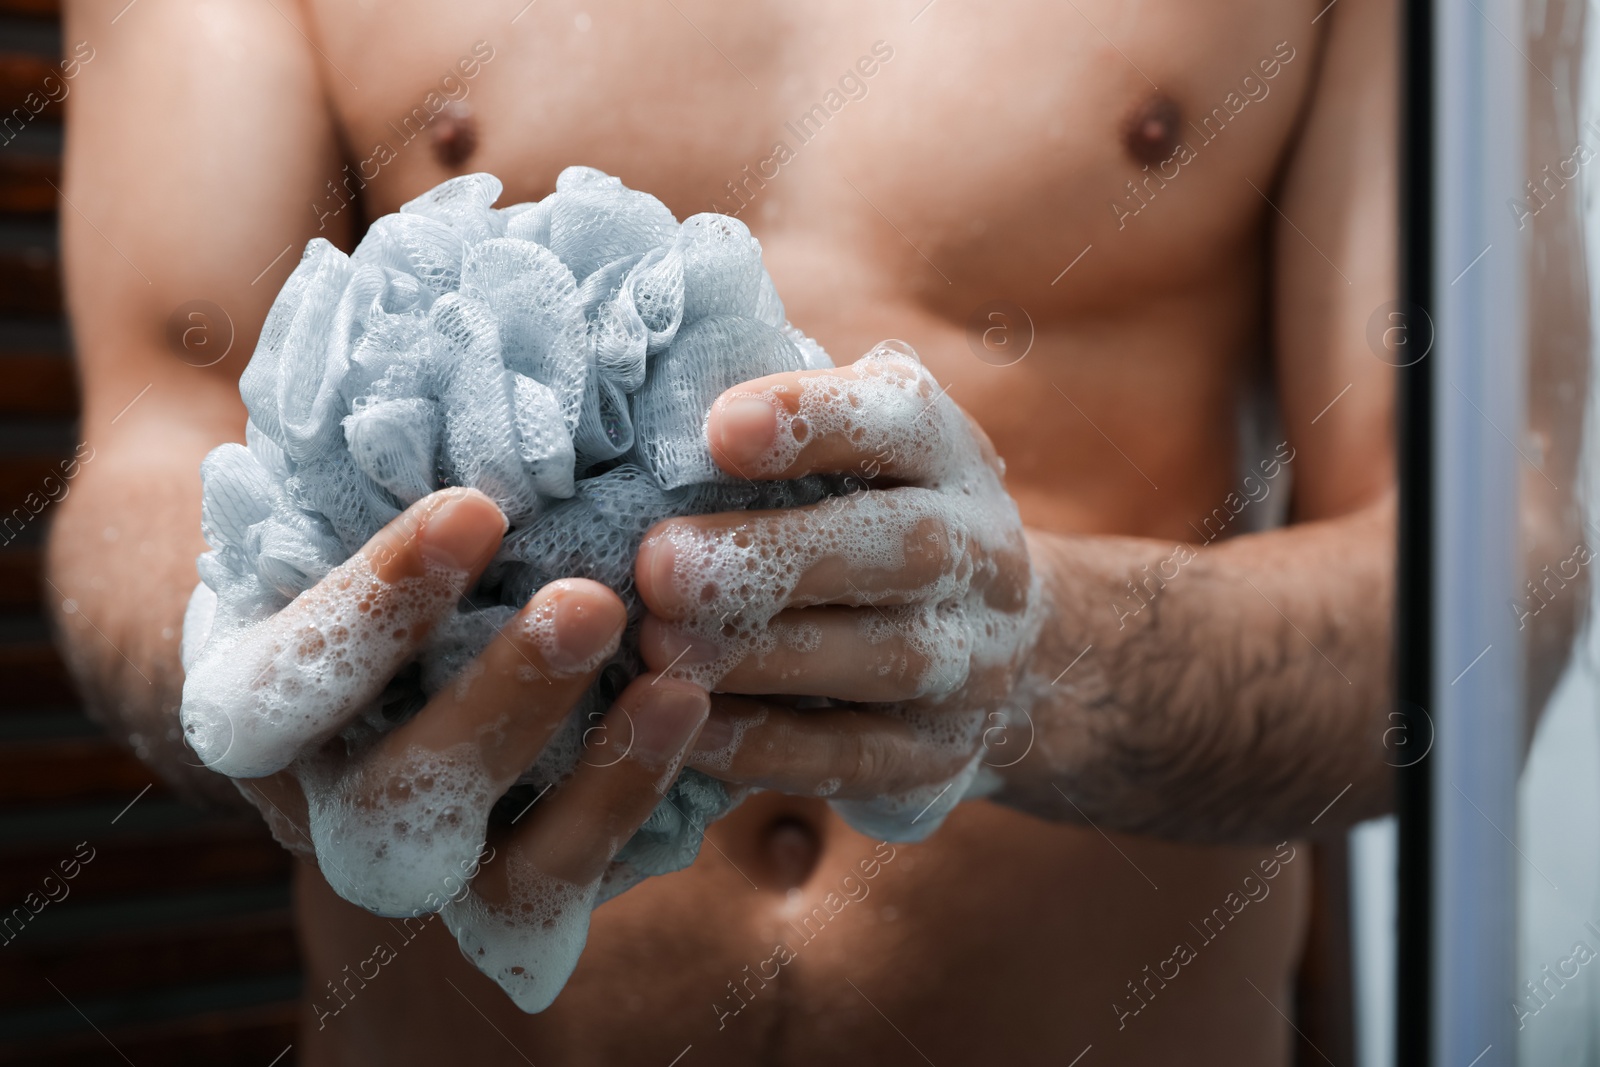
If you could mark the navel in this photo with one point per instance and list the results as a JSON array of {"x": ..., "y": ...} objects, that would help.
[
  {"x": 792, "y": 847},
  {"x": 1150, "y": 134},
  {"x": 455, "y": 135}
]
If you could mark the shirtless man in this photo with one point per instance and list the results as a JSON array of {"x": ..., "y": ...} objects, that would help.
[{"x": 1156, "y": 190}]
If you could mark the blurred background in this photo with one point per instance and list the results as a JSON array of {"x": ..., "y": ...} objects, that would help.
[{"x": 142, "y": 922}]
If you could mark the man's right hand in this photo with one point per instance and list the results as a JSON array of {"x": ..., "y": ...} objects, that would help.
[{"x": 398, "y": 820}]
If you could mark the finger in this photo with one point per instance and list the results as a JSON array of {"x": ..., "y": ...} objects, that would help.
[
  {"x": 858, "y": 654},
  {"x": 250, "y": 704},
  {"x": 531, "y": 899},
  {"x": 888, "y": 546},
  {"x": 398, "y": 826},
  {"x": 526, "y": 915},
  {"x": 516, "y": 694},
  {"x": 881, "y": 417},
  {"x": 839, "y": 753},
  {"x": 574, "y": 833},
  {"x": 282, "y": 804}
]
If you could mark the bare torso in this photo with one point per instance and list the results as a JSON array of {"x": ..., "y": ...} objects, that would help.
[{"x": 978, "y": 162}]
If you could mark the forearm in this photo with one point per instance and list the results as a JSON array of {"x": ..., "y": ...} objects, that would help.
[
  {"x": 1230, "y": 693},
  {"x": 121, "y": 566}
]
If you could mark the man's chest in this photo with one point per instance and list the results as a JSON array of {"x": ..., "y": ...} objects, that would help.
[{"x": 958, "y": 148}]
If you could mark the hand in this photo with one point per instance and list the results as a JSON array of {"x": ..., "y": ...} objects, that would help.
[
  {"x": 398, "y": 821},
  {"x": 916, "y": 592}
]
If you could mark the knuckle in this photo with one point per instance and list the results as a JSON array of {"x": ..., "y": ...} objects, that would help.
[
  {"x": 890, "y": 762},
  {"x": 939, "y": 552},
  {"x": 873, "y": 763},
  {"x": 940, "y": 643},
  {"x": 913, "y": 668},
  {"x": 772, "y": 750},
  {"x": 519, "y": 648}
]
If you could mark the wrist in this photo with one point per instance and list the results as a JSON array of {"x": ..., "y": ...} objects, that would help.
[{"x": 1104, "y": 722}]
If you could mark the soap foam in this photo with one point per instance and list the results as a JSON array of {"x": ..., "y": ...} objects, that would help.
[
  {"x": 538, "y": 627},
  {"x": 530, "y": 945},
  {"x": 738, "y": 583},
  {"x": 259, "y": 694},
  {"x": 721, "y": 759},
  {"x": 401, "y": 846}
]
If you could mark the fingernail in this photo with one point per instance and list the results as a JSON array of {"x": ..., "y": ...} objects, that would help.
[
  {"x": 748, "y": 426},
  {"x": 660, "y": 556},
  {"x": 715, "y": 735},
  {"x": 666, "y": 719},
  {"x": 462, "y": 531},
  {"x": 587, "y": 631}
]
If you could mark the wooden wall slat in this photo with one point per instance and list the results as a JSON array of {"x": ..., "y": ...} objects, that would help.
[
  {"x": 37, "y": 385},
  {"x": 29, "y": 474},
  {"x": 211, "y": 855},
  {"x": 81, "y": 769},
  {"x": 243, "y": 1036},
  {"x": 30, "y": 284},
  {"x": 44, "y": 9},
  {"x": 35, "y": 676},
  {"x": 25, "y": 179},
  {"x": 255, "y": 945},
  {"x": 19, "y": 579},
  {"x": 34, "y": 84}
]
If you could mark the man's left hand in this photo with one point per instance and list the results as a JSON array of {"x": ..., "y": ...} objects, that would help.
[{"x": 915, "y": 593}]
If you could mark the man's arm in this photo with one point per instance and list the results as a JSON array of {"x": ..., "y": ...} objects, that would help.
[
  {"x": 196, "y": 151},
  {"x": 1251, "y": 689},
  {"x": 1259, "y": 687},
  {"x": 198, "y": 141}
]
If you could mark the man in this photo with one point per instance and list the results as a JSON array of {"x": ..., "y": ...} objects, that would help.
[{"x": 1088, "y": 220}]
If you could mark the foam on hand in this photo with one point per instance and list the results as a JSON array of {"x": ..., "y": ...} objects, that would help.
[
  {"x": 531, "y": 945},
  {"x": 937, "y": 635},
  {"x": 394, "y": 852},
  {"x": 561, "y": 357}
]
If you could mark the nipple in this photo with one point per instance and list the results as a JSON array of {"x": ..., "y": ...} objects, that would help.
[
  {"x": 455, "y": 135},
  {"x": 1151, "y": 132}
]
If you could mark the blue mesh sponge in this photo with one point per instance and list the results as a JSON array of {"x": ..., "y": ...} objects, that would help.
[{"x": 559, "y": 356}]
